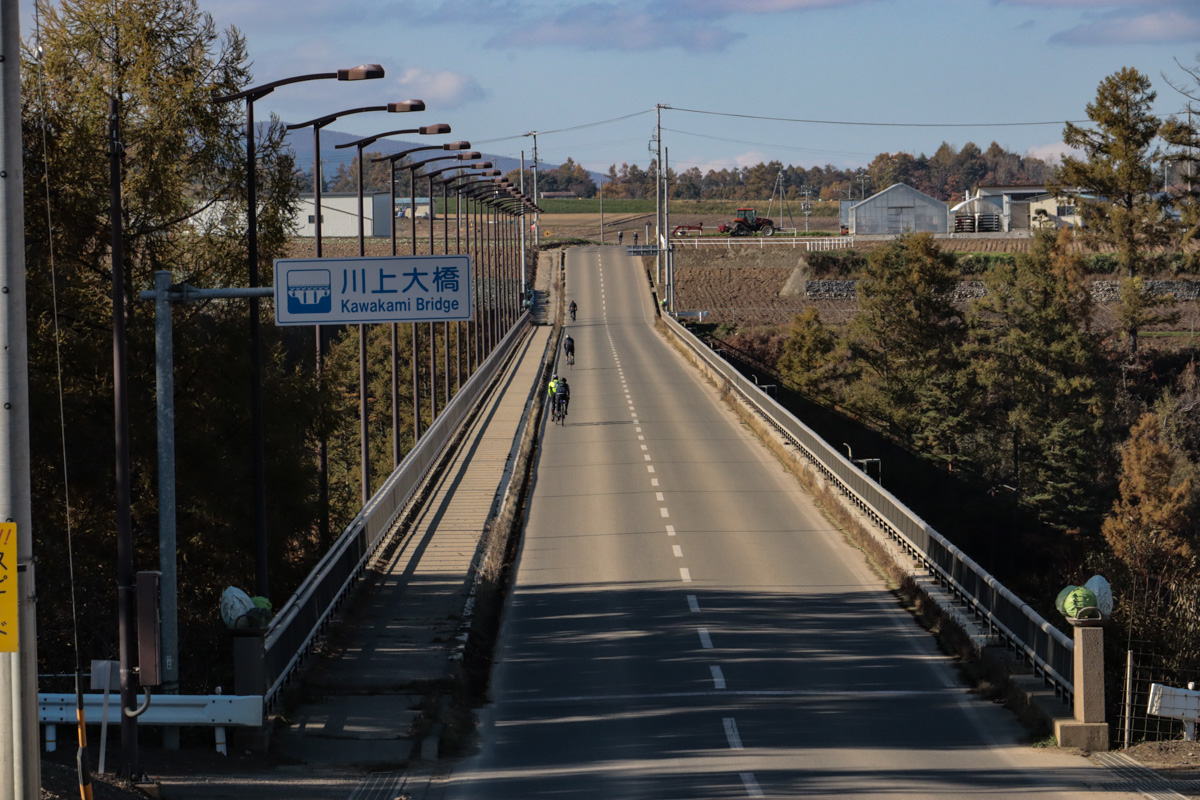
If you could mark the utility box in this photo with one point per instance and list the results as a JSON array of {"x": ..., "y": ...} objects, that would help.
[{"x": 149, "y": 629}]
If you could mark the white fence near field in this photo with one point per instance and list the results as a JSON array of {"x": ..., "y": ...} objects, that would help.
[{"x": 808, "y": 243}]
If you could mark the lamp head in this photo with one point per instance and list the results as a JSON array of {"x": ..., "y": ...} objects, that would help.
[
  {"x": 363, "y": 72},
  {"x": 470, "y": 155},
  {"x": 426, "y": 130},
  {"x": 406, "y": 105},
  {"x": 461, "y": 145}
]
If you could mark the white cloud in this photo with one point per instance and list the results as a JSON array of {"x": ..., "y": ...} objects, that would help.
[
  {"x": 443, "y": 89},
  {"x": 1170, "y": 25}
]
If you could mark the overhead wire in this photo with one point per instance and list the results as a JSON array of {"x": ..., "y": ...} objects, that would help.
[
  {"x": 83, "y": 767},
  {"x": 876, "y": 124}
]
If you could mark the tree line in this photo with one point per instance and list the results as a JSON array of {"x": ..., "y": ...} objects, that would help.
[{"x": 1098, "y": 440}]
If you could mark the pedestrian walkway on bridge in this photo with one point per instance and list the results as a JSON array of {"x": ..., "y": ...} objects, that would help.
[{"x": 352, "y": 732}]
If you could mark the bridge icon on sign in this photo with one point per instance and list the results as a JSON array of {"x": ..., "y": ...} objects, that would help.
[{"x": 309, "y": 291}]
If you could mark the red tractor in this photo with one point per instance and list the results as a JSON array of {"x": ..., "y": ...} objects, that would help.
[{"x": 747, "y": 222}]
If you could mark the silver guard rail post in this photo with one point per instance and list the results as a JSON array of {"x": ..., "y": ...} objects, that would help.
[
  {"x": 264, "y": 663},
  {"x": 1046, "y": 648}
]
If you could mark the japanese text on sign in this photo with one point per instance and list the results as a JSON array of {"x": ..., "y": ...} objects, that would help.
[
  {"x": 8, "y": 588},
  {"x": 313, "y": 291}
]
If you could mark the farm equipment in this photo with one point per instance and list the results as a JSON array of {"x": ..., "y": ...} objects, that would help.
[
  {"x": 684, "y": 230},
  {"x": 747, "y": 222}
]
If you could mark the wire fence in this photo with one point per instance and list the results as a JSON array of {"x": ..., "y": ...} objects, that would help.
[{"x": 1144, "y": 666}]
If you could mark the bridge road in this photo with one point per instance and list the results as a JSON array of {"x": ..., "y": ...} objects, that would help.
[{"x": 685, "y": 624}]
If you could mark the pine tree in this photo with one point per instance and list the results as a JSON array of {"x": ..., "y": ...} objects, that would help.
[
  {"x": 1116, "y": 181},
  {"x": 903, "y": 342}
]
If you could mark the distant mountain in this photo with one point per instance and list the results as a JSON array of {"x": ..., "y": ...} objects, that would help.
[{"x": 301, "y": 142}]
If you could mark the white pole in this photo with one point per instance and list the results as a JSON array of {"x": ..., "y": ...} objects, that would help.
[{"x": 20, "y": 765}]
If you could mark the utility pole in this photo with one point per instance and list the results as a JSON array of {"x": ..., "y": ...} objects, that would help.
[
  {"x": 658, "y": 205},
  {"x": 524, "y": 261},
  {"x": 20, "y": 767},
  {"x": 537, "y": 227},
  {"x": 126, "y": 586}
]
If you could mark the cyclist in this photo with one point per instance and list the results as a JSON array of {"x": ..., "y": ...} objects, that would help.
[
  {"x": 573, "y": 310},
  {"x": 569, "y": 349},
  {"x": 552, "y": 392},
  {"x": 563, "y": 392}
]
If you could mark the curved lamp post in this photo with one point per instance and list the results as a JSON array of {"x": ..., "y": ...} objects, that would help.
[
  {"x": 464, "y": 155},
  {"x": 394, "y": 159},
  {"x": 487, "y": 168},
  {"x": 445, "y": 250},
  {"x": 467, "y": 184},
  {"x": 364, "y": 454},
  {"x": 359, "y": 73},
  {"x": 322, "y": 448}
]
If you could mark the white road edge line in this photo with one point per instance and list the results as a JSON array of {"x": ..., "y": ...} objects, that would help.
[
  {"x": 752, "y": 787},
  {"x": 731, "y": 734}
]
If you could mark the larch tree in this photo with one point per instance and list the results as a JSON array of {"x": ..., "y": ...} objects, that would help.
[
  {"x": 184, "y": 210},
  {"x": 1151, "y": 534}
]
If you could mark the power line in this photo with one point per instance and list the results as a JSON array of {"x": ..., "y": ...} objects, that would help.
[
  {"x": 572, "y": 128},
  {"x": 773, "y": 146},
  {"x": 882, "y": 124}
]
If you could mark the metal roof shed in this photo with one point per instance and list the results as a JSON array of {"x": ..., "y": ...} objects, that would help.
[{"x": 899, "y": 209}]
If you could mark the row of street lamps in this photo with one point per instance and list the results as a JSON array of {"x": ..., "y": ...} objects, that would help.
[{"x": 480, "y": 186}]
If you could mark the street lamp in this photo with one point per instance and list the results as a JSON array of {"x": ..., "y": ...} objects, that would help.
[
  {"x": 464, "y": 190},
  {"x": 362, "y": 72},
  {"x": 446, "y": 250},
  {"x": 465, "y": 155},
  {"x": 364, "y": 448},
  {"x": 393, "y": 159},
  {"x": 487, "y": 168},
  {"x": 322, "y": 446}
]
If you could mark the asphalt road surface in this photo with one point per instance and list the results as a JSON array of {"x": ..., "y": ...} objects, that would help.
[{"x": 686, "y": 624}]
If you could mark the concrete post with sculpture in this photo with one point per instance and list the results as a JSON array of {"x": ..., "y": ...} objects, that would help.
[{"x": 1087, "y": 609}]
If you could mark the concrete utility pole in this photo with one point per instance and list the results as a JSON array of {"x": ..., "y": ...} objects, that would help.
[
  {"x": 524, "y": 257},
  {"x": 537, "y": 222},
  {"x": 658, "y": 185},
  {"x": 20, "y": 767}
]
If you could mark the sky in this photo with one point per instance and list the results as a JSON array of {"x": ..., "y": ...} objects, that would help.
[{"x": 804, "y": 82}]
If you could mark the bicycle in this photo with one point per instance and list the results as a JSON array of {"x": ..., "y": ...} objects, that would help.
[{"x": 571, "y": 359}]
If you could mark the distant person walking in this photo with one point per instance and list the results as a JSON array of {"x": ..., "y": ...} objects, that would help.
[
  {"x": 635, "y": 238},
  {"x": 620, "y": 236}
]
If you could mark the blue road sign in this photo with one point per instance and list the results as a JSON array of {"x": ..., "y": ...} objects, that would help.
[{"x": 356, "y": 291}]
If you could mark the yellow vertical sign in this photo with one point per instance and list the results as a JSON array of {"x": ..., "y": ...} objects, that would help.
[{"x": 8, "y": 587}]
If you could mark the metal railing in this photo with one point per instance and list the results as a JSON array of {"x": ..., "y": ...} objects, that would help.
[
  {"x": 266, "y": 664},
  {"x": 809, "y": 243},
  {"x": 1045, "y": 647}
]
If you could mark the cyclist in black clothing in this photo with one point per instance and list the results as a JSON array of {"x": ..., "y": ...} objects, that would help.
[
  {"x": 569, "y": 349},
  {"x": 563, "y": 396},
  {"x": 572, "y": 310}
]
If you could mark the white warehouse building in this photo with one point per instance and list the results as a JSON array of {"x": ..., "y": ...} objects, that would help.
[{"x": 339, "y": 213}]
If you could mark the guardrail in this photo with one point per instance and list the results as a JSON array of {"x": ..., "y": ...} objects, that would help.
[
  {"x": 808, "y": 243},
  {"x": 264, "y": 663},
  {"x": 1046, "y": 648},
  {"x": 170, "y": 710}
]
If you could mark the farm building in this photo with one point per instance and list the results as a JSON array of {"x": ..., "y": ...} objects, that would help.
[
  {"x": 1047, "y": 211},
  {"x": 1013, "y": 201},
  {"x": 897, "y": 209},
  {"x": 976, "y": 215},
  {"x": 339, "y": 213}
]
